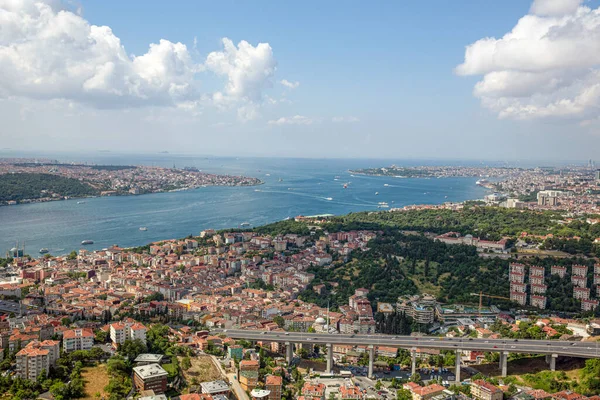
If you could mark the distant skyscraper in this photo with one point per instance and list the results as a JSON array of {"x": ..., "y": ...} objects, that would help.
[{"x": 598, "y": 174}]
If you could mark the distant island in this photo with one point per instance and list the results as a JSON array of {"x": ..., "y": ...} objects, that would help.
[
  {"x": 28, "y": 181},
  {"x": 437, "y": 171}
]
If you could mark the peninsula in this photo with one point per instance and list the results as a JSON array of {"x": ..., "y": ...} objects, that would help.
[{"x": 27, "y": 181}]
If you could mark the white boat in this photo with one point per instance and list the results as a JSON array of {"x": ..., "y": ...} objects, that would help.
[
  {"x": 44, "y": 250},
  {"x": 81, "y": 202},
  {"x": 143, "y": 228},
  {"x": 386, "y": 185},
  {"x": 243, "y": 224},
  {"x": 328, "y": 198},
  {"x": 376, "y": 193},
  {"x": 84, "y": 242}
]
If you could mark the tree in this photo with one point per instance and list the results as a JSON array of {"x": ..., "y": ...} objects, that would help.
[
  {"x": 132, "y": 348},
  {"x": 403, "y": 394},
  {"x": 66, "y": 321},
  {"x": 415, "y": 378},
  {"x": 186, "y": 363},
  {"x": 278, "y": 319},
  {"x": 72, "y": 255},
  {"x": 378, "y": 384}
]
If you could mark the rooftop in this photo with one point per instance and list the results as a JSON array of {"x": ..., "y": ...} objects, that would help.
[{"x": 150, "y": 371}]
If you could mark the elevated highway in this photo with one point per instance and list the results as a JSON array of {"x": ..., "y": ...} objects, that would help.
[{"x": 551, "y": 348}]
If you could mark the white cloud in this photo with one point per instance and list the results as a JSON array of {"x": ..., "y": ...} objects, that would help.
[
  {"x": 345, "y": 119},
  {"x": 554, "y": 7},
  {"x": 295, "y": 120},
  {"x": 288, "y": 84},
  {"x": 546, "y": 66},
  {"x": 249, "y": 69},
  {"x": 51, "y": 53}
]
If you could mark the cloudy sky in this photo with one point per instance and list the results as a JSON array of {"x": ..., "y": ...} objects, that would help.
[{"x": 439, "y": 79}]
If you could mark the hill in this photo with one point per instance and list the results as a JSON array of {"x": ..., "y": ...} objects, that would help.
[{"x": 30, "y": 186}]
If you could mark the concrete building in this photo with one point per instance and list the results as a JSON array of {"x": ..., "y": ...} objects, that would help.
[
  {"x": 274, "y": 384},
  {"x": 558, "y": 270},
  {"x": 427, "y": 392},
  {"x": 215, "y": 388},
  {"x": 36, "y": 357},
  {"x": 483, "y": 390},
  {"x": 150, "y": 377},
  {"x": 248, "y": 374},
  {"x": 122, "y": 331},
  {"x": 77, "y": 339},
  {"x": 518, "y": 297},
  {"x": 538, "y": 301},
  {"x": 147, "y": 359}
]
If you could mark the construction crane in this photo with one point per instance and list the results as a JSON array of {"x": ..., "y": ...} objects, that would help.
[{"x": 481, "y": 295}]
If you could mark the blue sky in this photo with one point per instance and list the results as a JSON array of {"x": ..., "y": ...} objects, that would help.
[{"x": 376, "y": 79}]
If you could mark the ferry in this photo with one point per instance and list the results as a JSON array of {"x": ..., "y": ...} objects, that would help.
[
  {"x": 81, "y": 202},
  {"x": 143, "y": 228},
  {"x": 481, "y": 182},
  {"x": 85, "y": 242},
  {"x": 44, "y": 250},
  {"x": 244, "y": 224}
]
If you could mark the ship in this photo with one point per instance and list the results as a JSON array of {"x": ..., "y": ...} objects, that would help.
[
  {"x": 85, "y": 242},
  {"x": 244, "y": 224},
  {"x": 345, "y": 186},
  {"x": 328, "y": 198},
  {"x": 481, "y": 182},
  {"x": 143, "y": 228},
  {"x": 81, "y": 202},
  {"x": 44, "y": 250},
  {"x": 376, "y": 193}
]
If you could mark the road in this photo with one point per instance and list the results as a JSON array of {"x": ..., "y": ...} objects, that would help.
[
  {"x": 235, "y": 385},
  {"x": 525, "y": 346}
]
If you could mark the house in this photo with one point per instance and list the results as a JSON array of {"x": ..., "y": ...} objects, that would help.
[
  {"x": 274, "y": 383},
  {"x": 215, "y": 388},
  {"x": 427, "y": 392}
]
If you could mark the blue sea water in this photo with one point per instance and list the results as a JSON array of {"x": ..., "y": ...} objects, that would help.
[{"x": 291, "y": 187}]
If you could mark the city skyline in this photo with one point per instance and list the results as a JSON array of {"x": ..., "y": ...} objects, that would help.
[{"x": 468, "y": 81}]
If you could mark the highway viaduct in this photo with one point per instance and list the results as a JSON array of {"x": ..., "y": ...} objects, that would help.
[{"x": 551, "y": 348}]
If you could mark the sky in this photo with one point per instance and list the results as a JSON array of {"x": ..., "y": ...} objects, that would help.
[{"x": 469, "y": 79}]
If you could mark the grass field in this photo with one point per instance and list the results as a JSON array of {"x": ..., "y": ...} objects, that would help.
[
  {"x": 96, "y": 378},
  {"x": 202, "y": 369},
  {"x": 531, "y": 366}
]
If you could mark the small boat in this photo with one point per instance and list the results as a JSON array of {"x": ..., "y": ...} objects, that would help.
[
  {"x": 81, "y": 202},
  {"x": 86, "y": 242},
  {"x": 280, "y": 180},
  {"x": 143, "y": 228},
  {"x": 287, "y": 219},
  {"x": 345, "y": 186},
  {"x": 44, "y": 250},
  {"x": 376, "y": 193},
  {"x": 243, "y": 224},
  {"x": 267, "y": 174},
  {"x": 386, "y": 185},
  {"x": 328, "y": 198},
  {"x": 257, "y": 190}
]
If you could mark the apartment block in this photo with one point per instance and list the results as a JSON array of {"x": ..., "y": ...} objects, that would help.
[
  {"x": 517, "y": 268},
  {"x": 516, "y": 277},
  {"x": 536, "y": 280},
  {"x": 580, "y": 270},
  {"x": 78, "y": 339},
  {"x": 150, "y": 377},
  {"x": 589, "y": 305},
  {"x": 558, "y": 270},
  {"x": 534, "y": 270},
  {"x": 581, "y": 293},
  {"x": 579, "y": 281},
  {"x": 518, "y": 287},
  {"x": 538, "y": 301},
  {"x": 274, "y": 383},
  {"x": 122, "y": 331},
  {"x": 482, "y": 390},
  {"x": 36, "y": 357},
  {"x": 518, "y": 297},
  {"x": 538, "y": 289}
]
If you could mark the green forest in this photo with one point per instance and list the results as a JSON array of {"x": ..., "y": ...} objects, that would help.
[
  {"x": 402, "y": 263},
  {"x": 22, "y": 186}
]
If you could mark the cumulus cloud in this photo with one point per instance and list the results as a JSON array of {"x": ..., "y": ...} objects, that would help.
[
  {"x": 546, "y": 66},
  {"x": 295, "y": 120},
  {"x": 249, "y": 70},
  {"x": 554, "y": 7},
  {"x": 288, "y": 84},
  {"x": 344, "y": 119},
  {"x": 49, "y": 52}
]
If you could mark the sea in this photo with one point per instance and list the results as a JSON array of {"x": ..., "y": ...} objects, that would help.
[{"x": 291, "y": 187}]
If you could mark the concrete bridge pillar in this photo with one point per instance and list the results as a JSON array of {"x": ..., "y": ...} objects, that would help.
[
  {"x": 371, "y": 360},
  {"x": 289, "y": 352},
  {"x": 548, "y": 358},
  {"x": 504, "y": 362},
  {"x": 329, "y": 358},
  {"x": 553, "y": 362},
  {"x": 457, "y": 369},
  {"x": 413, "y": 355}
]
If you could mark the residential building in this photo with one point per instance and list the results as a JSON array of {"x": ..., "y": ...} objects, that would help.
[
  {"x": 150, "y": 377},
  {"x": 215, "y": 388},
  {"x": 122, "y": 331},
  {"x": 427, "y": 392},
  {"x": 36, "y": 357},
  {"x": 483, "y": 390},
  {"x": 274, "y": 384},
  {"x": 77, "y": 339},
  {"x": 314, "y": 391}
]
